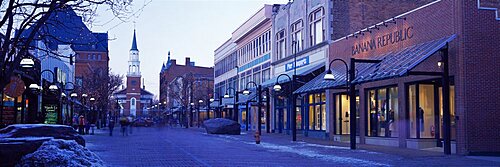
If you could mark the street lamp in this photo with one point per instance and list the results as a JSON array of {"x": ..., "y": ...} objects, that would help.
[
  {"x": 235, "y": 104},
  {"x": 27, "y": 63},
  {"x": 277, "y": 88}
]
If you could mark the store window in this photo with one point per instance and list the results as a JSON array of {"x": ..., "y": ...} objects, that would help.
[
  {"x": 426, "y": 112},
  {"x": 317, "y": 111},
  {"x": 383, "y": 112},
  {"x": 343, "y": 113},
  {"x": 266, "y": 74},
  {"x": 316, "y": 27}
]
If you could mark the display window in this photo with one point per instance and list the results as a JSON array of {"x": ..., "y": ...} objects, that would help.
[
  {"x": 342, "y": 114},
  {"x": 383, "y": 112},
  {"x": 426, "y": 110},
  {"x": 317, "y": 111}
]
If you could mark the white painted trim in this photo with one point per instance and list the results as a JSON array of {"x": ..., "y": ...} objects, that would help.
[{"x": 488, "y": 8}]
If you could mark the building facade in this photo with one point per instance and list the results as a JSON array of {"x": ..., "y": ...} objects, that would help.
[
  {"x": 302, "y": 32},
  {"x": 400, "y": 101},
  {"x": 171, "y": 70},
  {"x": 134, "y": 99}
]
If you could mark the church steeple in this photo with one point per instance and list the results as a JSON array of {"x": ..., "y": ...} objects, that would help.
[{"x": 134, "y": 43}]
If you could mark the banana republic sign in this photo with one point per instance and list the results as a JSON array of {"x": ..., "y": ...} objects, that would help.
[{"x": 383, "y": 40}]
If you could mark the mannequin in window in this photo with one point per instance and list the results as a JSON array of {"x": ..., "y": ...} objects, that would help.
[
  {"x": 390, "y": 123},
  {"x": 421, "y": 119}
]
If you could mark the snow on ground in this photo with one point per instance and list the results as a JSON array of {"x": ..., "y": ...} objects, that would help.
[
  {"x": 59, "y": 153},
  {"x": 313, "y": 154}
]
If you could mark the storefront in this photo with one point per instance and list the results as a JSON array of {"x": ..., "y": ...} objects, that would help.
[{"x": 401, "y": 98}]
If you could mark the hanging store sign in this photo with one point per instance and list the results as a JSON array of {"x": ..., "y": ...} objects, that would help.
[
  {"x": 50, "y": 114},
  {"x": 383, "y": 40},
  {"x": 15, "y": 88}
]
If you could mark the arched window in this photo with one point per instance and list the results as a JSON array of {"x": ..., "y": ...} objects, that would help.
[
  {"x": 317, "y": 29},
  {"x": 132, "y": 101}
]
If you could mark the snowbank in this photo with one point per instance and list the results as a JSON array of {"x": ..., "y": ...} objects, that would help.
[
  {"x": 41, "y": 130},
  {"x": 61, "y": 153}
]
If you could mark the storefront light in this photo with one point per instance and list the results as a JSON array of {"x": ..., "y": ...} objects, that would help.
[
  {"x": 329, "y": 76},
  {"x": 226, "y": 95},
  {"x": 84, "y": 95},
  {"x": 92, "y": 99},
  {"x": 440, "y": 63},
  {"x": 212, "y": 100},
  {"x": 200, "y": 101},
  {"x": 63, "y": 94},
  {"x": 73, "y": 95},
  {"x": 192, "y": 104}
]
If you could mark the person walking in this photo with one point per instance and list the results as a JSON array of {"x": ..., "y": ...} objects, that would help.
[
  {"x": 81, "y": 125},
  {"x": 87, "y": 127},
  {"x": 124, "y": 124},
  {"x": 130, "y": 123},
  {"x": 111, "y": 125}
]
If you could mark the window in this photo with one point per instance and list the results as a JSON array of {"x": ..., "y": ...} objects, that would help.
[
  {"x": 383, "y": 112},
  {"x": 317, "y": 111},
  {"x": 132, "y": 101},
  {"x": 297, "y": 36},
  {"x": 266, "y": 74},
  {"x": 316, "y": 27},
  {"x": 99, "y": 57},
  {"x": 281, "y": 45}
]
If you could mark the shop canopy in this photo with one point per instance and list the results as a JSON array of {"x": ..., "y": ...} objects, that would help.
[
  {"x": 300, "y": 71},
  {"x": 394, "y": 64}
]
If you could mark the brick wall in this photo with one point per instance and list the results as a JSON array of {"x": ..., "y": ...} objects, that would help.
[
  {"x": 473, "y": 62},
  {"x": 479, "y": 78}
]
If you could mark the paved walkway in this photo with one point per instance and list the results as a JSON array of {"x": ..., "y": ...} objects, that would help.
[{"x": 193, "y": 147}]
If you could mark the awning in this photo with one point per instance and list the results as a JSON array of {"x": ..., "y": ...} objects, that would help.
[
  {"x": 242, "y": 99},
  {"x": 300, "y": 71},
  {"x": 393, "y": 64}
]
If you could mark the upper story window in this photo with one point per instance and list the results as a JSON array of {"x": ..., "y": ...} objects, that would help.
[
  {"x": 296, "y": 32},
  {"x": 317, "y": 29},
  {"x": 280, "y": 45}
]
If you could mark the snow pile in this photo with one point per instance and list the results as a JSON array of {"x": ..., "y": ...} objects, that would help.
[{"x": 58, "y": 152}]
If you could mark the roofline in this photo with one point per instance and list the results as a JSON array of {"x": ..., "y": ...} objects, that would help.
[{"x": 388, "y": 20}]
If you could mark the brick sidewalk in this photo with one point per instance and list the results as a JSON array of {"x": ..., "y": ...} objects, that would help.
[{"x": 193, "y": 147}]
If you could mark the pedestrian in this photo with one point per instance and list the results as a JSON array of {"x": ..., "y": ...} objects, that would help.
[
  {"x": 130, "y": 123},
  {"x": 81, "y": 124},
  {"x": 111, "y": 125},
  {"x": 87, "y": 127},
  {"x": 124, "y": 124}
]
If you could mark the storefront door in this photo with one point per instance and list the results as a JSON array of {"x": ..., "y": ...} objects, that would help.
[{"x": 425, "y": 111}]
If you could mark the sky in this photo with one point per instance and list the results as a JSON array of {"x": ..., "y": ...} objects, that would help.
[{"x": 186, "y": 28}]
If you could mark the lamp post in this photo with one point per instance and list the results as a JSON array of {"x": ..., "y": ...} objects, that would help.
[
  {"x": 217, "y": 113},
  {"x": 36, "y": 89},
  {"x": 277, "y": 88},
  {"x": 235, "y": 104},
  {"x": 199, "y": 114},
  {"x": 259, "y": 103},
  {"x": 352, "y": 92}
]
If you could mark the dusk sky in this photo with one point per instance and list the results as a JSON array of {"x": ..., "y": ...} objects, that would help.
[{"x": 186, "y": 28}]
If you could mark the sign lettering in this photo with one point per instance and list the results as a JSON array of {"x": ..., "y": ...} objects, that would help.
[{"x": 382, "y": 41}]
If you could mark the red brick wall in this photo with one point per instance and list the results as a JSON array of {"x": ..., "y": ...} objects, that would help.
[
  {"x": 179, "y": 70},
  {"x": 133, "y": 91},
  {"x": 474, "y": 63},
  {"x": 479, "y": 78},
  {"x": 353, "y": 15}
]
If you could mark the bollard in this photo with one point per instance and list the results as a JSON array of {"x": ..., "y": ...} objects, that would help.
[{"x": 257, "y": 137}]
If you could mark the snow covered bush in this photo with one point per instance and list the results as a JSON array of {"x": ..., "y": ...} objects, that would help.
[{"x": 59, "y": 153}]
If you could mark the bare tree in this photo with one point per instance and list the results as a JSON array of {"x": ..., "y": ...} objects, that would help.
[{"x": 23, "y": 21}]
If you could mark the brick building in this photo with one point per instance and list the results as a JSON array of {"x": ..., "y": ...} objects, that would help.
[
  {"x": 171, "y": 70},
  {"x": 301, "y": 33},
  {"x": 400, "y": 99},
  {"x": 134, "y": 99}
]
